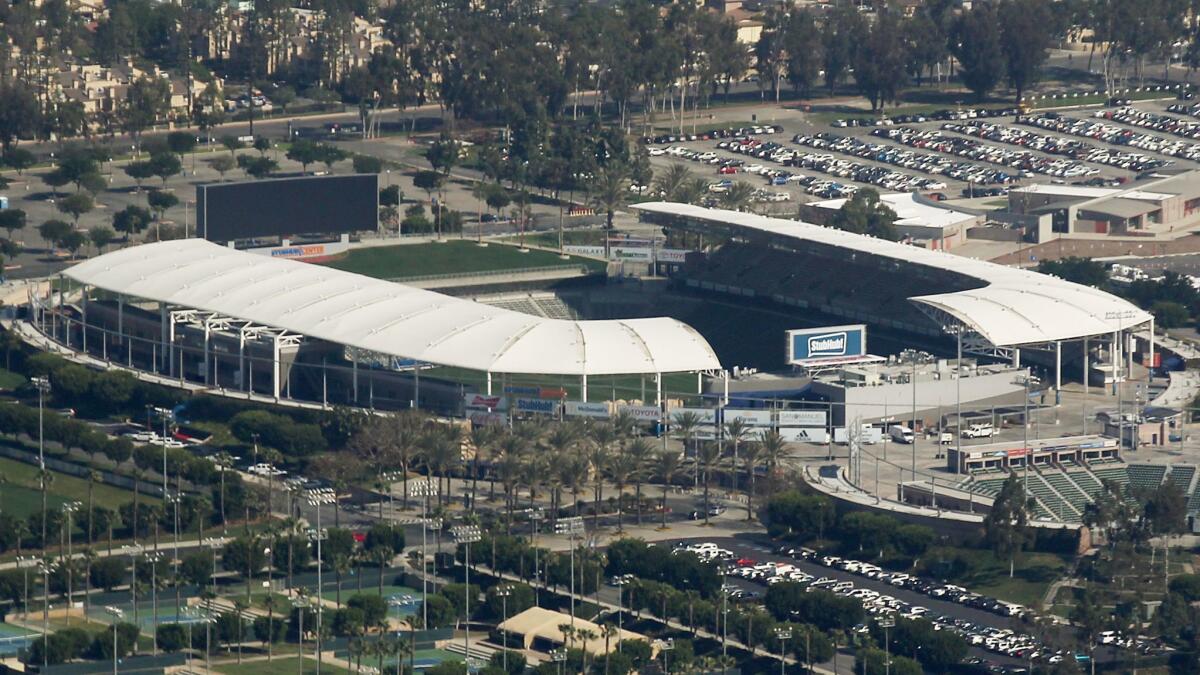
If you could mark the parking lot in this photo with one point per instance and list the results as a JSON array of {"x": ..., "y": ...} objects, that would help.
[
  {"x": 993, "y": 628},
  {"x": 947, "y": 153}
]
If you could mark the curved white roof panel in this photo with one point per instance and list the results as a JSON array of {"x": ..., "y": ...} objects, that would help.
[
  {"x": 1011, "y": 307},
  {"x": 390, "y": 318}
]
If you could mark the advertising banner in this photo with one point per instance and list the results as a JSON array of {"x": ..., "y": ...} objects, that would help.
[
  {"x": 595, "y": 251},
  {"x": 536, "y": 405},
  {"x": 814, "y": 345},
  {"x": 672, "y": 255},
  {"x": 586, "y": 409},
  {"x": 484, "y": 418},
  {"x": 707, "y": 416},
  {"x": 802, "y": 418},
  {"x": 537, "y": 392},
  {"x": 803, "y": 435},
  {"x": 634, "y": 254},
  {"x": 755, "y": 418},
  {"x": 642, "y": 413},
  {"x": 485, "y": 401}
]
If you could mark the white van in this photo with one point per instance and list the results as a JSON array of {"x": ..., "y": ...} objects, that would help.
[
  {"x": 978, "y": 431},
  {"x": 900, "y": 433}
]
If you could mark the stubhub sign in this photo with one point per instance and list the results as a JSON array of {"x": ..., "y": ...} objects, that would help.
[{"x": 813, "y": 345}]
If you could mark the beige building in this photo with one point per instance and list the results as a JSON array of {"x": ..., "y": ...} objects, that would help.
[{"x": 541, "y": 630}]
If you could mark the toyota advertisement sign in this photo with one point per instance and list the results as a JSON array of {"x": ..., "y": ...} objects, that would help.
[{"x": 827, "y": 345}]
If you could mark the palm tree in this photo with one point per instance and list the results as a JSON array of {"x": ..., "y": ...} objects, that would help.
[
  {"x": 752, "y": 454},
  {"x": 93, "y": 477},
  {"x": 738, "y": 196},
  {"x": 574, "y": 472},
  {"x": 356, "y": 647},
  {"x": 685, "y": 424},
  {"x": 621, "y": 469},
  {"x": 270, "y": 602},
  {"x": 671, "y": 181},
  {"x": 708, "y": 456},
  {"x": 586, "y": 635},
  {"x": 639, "y": 451},
  {"x": 667, "y": 466},
  {"x": 509, "y": 472},
  {"x": 610, "y": 191},
  {"x": 46, "y": 478},
  {"x": 609, "y": 631},
  {"x": 603, "y": 438},
  {"x": 775, "y": 450},
  {"x": 89, "y": 558},
  {"x": 561, "y": 440},
  {"x": 480, "y": 439},
  {"x": 407, "y": 443},
  {"x": 736, "y": 430},
  {"x": 694, "y": 191},
  {"x": 239, "y": 608}
]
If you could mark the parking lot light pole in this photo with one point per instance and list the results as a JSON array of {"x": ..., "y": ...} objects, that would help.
[
  {"x": 423, "y": 490},
  {"x": 503, "y": 593},
  {"x": 783, "y": 635},
  {"x": 559, "y": 656},
  {"x": 466, "y": 535},
  {"x": 43, "y": 386},
  {"x": 665, "y": 646},
  {"x": 885, "y": 623},
  {"x": 116, "y": 614},
  {"x": 574, "y": 528},
  {"x": 315, "y": 502}
]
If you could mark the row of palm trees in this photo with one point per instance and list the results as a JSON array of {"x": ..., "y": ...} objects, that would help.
[{"x": 551, "y": 458}]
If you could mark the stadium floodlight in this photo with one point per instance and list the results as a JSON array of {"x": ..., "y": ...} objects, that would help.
[{"x": 466, "y": 535}]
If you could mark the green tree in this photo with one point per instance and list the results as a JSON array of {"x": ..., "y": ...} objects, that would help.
[
  {"x": 367, "y": 164},
  {"x": 1006, "y": 526},
  {"x": 18, "y": 158},
  {"x": 880, "y": 62},
  {"x": 609, "y": 191},
  {"x": 146, "y": 100},
  {"x": 139, "y": 171},
  {"x": 977, "y": 47},
  {"x": 19, "y": 114},
  {"x": 54, "y": 231},
  {"x": 866, "y": 213},
  {"x": 1025, "y": 35},
  {"x": 12, "y": 220},
  {"x": 181, "y": 143},
  {"x": 73, "y": 241},
  {"x": 131, "y": 220},
  {"x": 164, "y": 165},
  {"x": 1079, "y": 270},
  {"x": 76, "y": 205},
  {"x": 101, "y": 236},
  {"x": 160, "y": 201},
  {"x": 222, "y": 164},
  {"x": 305, "y": 152}
]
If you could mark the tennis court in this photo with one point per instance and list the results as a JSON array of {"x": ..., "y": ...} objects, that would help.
[
  {"x": 401, "y": 600},
  {"x": 15, "y": 638},
  {"x": 145, "y": 614}
]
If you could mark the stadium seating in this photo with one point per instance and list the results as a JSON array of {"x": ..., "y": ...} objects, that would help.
[
  {"x": 1181, "y": 475},
  {"x": 1049, "y": 499},
  {"x": 541, "y": 304},
  {"x": 1146, "y": 476},
  {"x": 1067, "y": 489}
]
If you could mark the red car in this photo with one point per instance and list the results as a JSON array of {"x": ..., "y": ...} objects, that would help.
[
  {"x": 745, "y": 562},
  {"x": 727, "y": 170}
]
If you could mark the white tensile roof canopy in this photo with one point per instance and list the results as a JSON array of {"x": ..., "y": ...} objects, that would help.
[
  {"x": 1011, "y": 307},
  {"x": 390, "y": 318}
]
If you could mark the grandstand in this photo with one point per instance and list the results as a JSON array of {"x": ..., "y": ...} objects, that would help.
[
  {"x": 547, "y": 305},
  {"x": 1063, "y": 493}
]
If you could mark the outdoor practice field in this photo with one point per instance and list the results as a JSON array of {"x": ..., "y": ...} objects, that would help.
[
  {"x": 278, "y": 666},
  {"x": 450, "y": 257},
  {"x": 20, "y": 493}
]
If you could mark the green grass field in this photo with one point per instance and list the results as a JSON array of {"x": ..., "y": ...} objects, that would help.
[
  {"x": 570, "y": 238},
  {"x": 278, "y": 666},
  {"x": 1033, "y": 574},
  {"x": 20, "y": 494},
  {"x": 451, "y": 257}
]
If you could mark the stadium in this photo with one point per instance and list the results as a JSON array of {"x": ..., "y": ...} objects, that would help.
[{"x": 710, "y": 338}]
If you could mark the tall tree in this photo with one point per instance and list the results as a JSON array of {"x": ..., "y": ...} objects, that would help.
[
  {"x": 879, "y": 63},
  {"x": 1025, "y": 39},
  {"x": 1006, "y": 526},
  {"x": 978, "y": 49}
]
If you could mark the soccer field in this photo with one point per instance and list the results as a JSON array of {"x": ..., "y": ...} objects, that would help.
[
  {"x": 20, "y": 494},
  {"x": 450, "y": 257}
]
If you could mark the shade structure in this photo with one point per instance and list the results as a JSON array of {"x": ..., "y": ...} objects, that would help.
[
  {"x": 391, "y": 318},
  {"x": 1010, "y": 307}
]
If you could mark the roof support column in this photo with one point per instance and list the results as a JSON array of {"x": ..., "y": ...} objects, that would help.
[
  {"x": 162, "y": 323},
  {"x": 658, "y": 390},
  {"x": 1057, "y": 373},
  {"x": 83, "y": 315},
  {"x": 354, "y": 375},
  {"x": 242, "y": 357},
  {"x": 121, "y": 317},
  {"x": 725, "y": 394},
  {"x": 416, "y": 388},
  {"x": 1016, "y": 357},
  {"x": 1116, "y": 358},
  {"x": 699, "y": 382},
  {"x": 171, "y": 346},
  {"x": 1086, "y": 364},
  {"x": 489, "y": 383},
  {"x": 207, "y": 366},
  {"x": 275, "y": 366},
  {"x": 582, "y": 386},
  {"x": 1129, "y": 354}
]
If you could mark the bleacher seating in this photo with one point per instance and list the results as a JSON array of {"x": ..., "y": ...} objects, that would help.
[
  {"x": 1085, "y": 481},
  {"x": 1074, "y": 496},
  {"x": 541, "y": 304},
  {"x": 1146, "y": 476},
  {"x": 1181, "y": 475},
  {"x": 1058, "y": 509},
  {"x": 1115, "y": 473}
]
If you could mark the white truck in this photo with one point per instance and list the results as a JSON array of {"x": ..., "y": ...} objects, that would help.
[
  {"x": 900, "y": 434},
  {"x": 868, "y": 436},
  {"x": 978, "y": 431}
]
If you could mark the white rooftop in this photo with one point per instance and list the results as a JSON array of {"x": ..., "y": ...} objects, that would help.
[
  {"x": 1092, "y": 192},
  {"x": 911, "y": 212},
  {"x": 390, "y": 318},
  {"x": 1011, "y": 307}
]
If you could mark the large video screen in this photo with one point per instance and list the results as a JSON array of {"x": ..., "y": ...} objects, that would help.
[{"x": 283, "y": 207}]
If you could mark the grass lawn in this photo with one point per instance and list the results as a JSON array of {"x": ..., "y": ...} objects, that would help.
[
  {"x": 278, "y": 666},
  {"x": 988, "y": 575},
  {"x": 20, "y": 494},
  {"x": 570, "y": 238},
  {"x": 451, "y": 257},
  {"x": 10, "y": 380}
]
